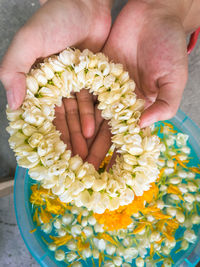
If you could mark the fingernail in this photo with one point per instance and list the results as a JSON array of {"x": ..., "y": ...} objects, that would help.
[
  {"x": 144, "y": 124},
  {"x": 10, "y": 98}
]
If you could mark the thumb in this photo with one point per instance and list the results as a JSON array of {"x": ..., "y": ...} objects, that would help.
[
  {"x": 167, "y": 101},
  {"x": 17, "y": 61}
]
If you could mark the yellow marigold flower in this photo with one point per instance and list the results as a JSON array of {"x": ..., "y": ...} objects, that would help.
[
  {"x": 108, "y": 238},
  {"x": 45, "y": 216},
  {"x": 82, "y": 245},
  {"x": 55, "y": 206},
  {"x": 60, "y": 241},
  {"x": 36, "y": 217}
]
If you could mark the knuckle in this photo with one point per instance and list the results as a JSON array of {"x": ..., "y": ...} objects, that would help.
[{"x": 72, "y": 111}]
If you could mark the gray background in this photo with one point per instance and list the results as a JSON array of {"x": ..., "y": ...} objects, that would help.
[{"x": 13, "y": 14}]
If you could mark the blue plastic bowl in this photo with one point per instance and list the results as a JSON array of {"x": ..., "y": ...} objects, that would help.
[{"x": 33, "y": 241}]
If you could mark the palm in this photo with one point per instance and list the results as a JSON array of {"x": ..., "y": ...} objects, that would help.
[
  {"x": 153, "y": 49},
  {"x": 56, "y": 25}
]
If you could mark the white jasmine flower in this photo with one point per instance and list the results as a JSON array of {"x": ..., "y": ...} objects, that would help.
[
  {"x": 110, "y": 249},
  {"x": 71, "y": 245},
  {"x": 85, "y": 213},
  {"x": 170, "y": 243},
  {"x": 132, "y": 252},
  {"x": 171, "y": 211},
  {"x": 169, "y": 171},
  {"x": 174, "y": 197},
  {"x": 175, "y": 180},
  {"x": 95, "y": 253},
  {"x": 116, "y": 69},
  {"x": 195, "y": 219},
  {"x": 183, "y": 188},
  {"x": 126, "y": 265},
  {"x": 40, "y": 76},
  {"x": 170, "y": 163},
  {"x": 59, "y": 255},
  {"x": 91, "y": 220},
  {"x": 182, "y": 174},
  {"x": 166, "y": 250},
  {"x": 76, "y": 264},
  {"x": 61, "y": 232},
  {"x": 17, "y": 140},
  {"x": 47, "y": 228},
  {"x": 109, "y": 264},
  {"x": 71, "y": 256},
  {"x": 101, "y": 244},
  {"x": 75, "y": 210},
  {"x": 191, "y": 175},
  {"x": 57, "y": 223},
  {"x": 88, "y": 231},
  {"x": 180, "y": 216},
  {"x": 35, "y": 139},
  {"x": 87, "y": 253},
  {"x": 52, "y": 247},
  {"x": 76, "y": 229},
  {"x": 197, "y": 196},
  {"x": 117, "y": 261},
  {"x": 192, "y": 187},
  {"x": 75, "y": 163},
  {"x": 32, "y": 84},
  {"x": 189, "y": 235},
  {"x": 98, "y": 228},
  {"x": 185, "y": 150},
  {"x": 139, "y": 262},
  {"x": 189, "y": 197},
  {"x": 184, "y": 245},
  {"x": 155, "y": 236},
  {"x": 181, "y": 139},
  {"x": 167, "y": 263}
]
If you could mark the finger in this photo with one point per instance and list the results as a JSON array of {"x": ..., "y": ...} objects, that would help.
[
  {"x": 61, "y": 125},
  {"x": 112, "y": 160},
  {"x": 79, "y": 145},
  {"x": 100, "y": 146},
  {"x": 86, "y": 112},
  {"x": 98, "y": 122},
  {"x": 20, "y": 56},
  {"x": 167, "y": 101},
  {"x": 42, "y": 2}
]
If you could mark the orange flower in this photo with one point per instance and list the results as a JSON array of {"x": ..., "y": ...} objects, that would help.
[
  {"x": 36, "y": 217},
  {"x": 195, "y": 169},
  {"x": 82, "y": 245},
  {"x": 172, "y": 189},
  {"x": 60, "y": 241},
  {"x": 45, "y": 216},
  {"x": 139, "y": 228},
  {"x": 55, "y": 206},
  {"x": 108, "y": 238}
]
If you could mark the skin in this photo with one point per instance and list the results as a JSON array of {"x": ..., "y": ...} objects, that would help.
[{"x": 148, "y": 38}]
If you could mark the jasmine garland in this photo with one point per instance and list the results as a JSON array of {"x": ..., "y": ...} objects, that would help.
[{"x": 38, "y": 146}]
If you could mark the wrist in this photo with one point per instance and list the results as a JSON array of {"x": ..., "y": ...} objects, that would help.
[{"x": 186, "y": 11}]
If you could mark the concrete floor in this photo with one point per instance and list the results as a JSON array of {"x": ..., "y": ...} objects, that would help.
[{"x": 13, "y": 14}]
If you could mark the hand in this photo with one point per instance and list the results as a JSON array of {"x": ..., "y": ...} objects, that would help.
[
  {"x": 149, "y": 40},
  {"x": 56, "y": 25}
]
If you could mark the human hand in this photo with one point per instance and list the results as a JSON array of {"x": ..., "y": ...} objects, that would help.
[
  {"x": 148, "y": 38},
  {"x": 55, "y": 26}
]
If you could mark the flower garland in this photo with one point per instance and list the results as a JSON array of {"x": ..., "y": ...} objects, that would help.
[
  {"x": 38, "y": 146},
  {"x": 150, "y": 231}
]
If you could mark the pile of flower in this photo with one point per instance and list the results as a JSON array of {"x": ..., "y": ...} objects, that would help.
[
  {"x": 38, "y": 146},
  {"x": 143, "y": 233}
]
